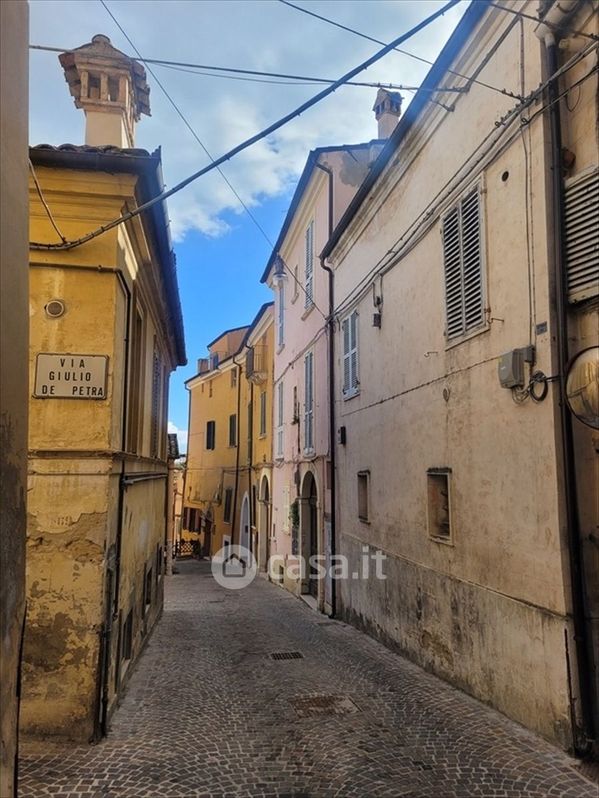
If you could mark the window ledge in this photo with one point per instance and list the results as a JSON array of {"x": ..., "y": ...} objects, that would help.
[
  {"x": 351, "y": 394},
  {"x": 307, "y": 311},
  {"x": 443, "y": 541},
  {"x": 262, "y": 435},
  {"x": 309, "y": 454},
  {"x": 280, "y": 348},
  {"x": 467, "y": 336}
]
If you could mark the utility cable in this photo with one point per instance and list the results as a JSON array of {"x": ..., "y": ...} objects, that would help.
[
  {"x": 505, "y": 92},
  {"x": 593, "y": 37},
  {"x": 44, "y": 203},
  {"x": 237, "y": 73},
  {"x": 252, "y": 140},
  {"x": 202, "y": 145}
]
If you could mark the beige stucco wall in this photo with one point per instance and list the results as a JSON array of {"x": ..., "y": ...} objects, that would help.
[
  {"x": 490, "y": 609},
  {"x": 14, "y": 35}
]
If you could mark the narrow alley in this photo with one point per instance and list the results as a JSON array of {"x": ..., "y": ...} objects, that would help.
[{"x": 211, "y": 711}]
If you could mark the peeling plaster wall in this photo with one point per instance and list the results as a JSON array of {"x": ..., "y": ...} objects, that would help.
[
  {"x": 490, "y": 609},
  {"x": 14, "y": 35}
]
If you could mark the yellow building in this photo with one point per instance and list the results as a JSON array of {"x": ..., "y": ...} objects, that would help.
[
  {"x": 105, "y": 333},
  {"x": 229, "y": 457}
]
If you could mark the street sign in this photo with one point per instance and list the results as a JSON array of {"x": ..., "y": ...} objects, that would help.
[{"x": 70, "y": 376}]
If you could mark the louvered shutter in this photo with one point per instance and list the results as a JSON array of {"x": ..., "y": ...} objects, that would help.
[
  {"x": 308, "y": 401},
  {"x": 472, "y": 261},
  {"x": 346, "y": 356},
  {"x": 281, "y": 316},
  {"x": 582, "y": 235},
  {"x": 462, "y": 260},
  {"x": 280, "y": 419},
  {"x": 353, "y": 350},
  {"x": 309, "y": 286}
]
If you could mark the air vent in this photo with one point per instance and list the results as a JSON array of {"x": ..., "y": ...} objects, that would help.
[
  {"x": 582, "y": 235},
  {"x": 55, "y": 308},
  {"x": 286, "y": 655}
]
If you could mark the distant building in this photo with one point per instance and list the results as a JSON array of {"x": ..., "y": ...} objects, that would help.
[
  {"x": 466, "y": 275},
  {"x": 106, "y": 331},
  {"x": 229, "y": 457},
  {"x": 14, "y": 376}
]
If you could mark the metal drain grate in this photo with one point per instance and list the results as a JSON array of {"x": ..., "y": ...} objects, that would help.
[
  {"x": 308, "y": 706},
  {"x": 286, "y": 655}
]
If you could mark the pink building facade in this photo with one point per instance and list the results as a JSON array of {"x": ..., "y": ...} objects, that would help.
[{"x": 302, "y": 473}]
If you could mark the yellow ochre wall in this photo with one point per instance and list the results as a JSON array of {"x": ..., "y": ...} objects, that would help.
[{"x": 76, "y": 461}]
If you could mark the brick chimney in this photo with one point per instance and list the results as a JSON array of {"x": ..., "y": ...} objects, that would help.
[
  {"x": 387, "y": 110},
  {"x": 110, "y": 87}
]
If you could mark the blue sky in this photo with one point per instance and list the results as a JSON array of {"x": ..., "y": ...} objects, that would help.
[{"x": 220, "y": 253}]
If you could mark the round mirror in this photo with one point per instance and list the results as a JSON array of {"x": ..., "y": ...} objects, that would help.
[{"x": 582, "y": 386}]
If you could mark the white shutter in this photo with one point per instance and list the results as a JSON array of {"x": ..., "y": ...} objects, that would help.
[
  {"x": 309, "y": 401},
  {"x": 582, "y": 235},
  {"x": 353, "y": 350},
  {"x": 286, "y": 508},
  {"x": 309, "y": 274},
  {"x": 462, "y": 259},
  {"x": 346, "y": 356},
  {"x": 280, "y": 419},
  {"x": 281, "y": 316}
]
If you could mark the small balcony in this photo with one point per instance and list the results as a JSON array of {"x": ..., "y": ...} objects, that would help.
[{"x": 256, "y": 364}]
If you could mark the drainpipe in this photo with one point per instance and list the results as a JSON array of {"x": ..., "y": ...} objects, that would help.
[
  {"x": 236, "y": 488},
  {"x": 331, "y": 397},
  {"x": 585, "y": 734},
  {"x": 250, "y": 458}
]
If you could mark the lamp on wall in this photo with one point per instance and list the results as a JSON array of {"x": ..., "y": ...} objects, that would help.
[{"x": 279, "y": 274}]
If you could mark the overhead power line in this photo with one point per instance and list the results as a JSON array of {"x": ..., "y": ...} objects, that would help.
[
  {"x": 253, "y": 139},
  {"x": 505, "y": 92},
  {"x": 593, "y": 37},
  {"x": 236, "y": 73},
  {"x": 203, "y": 146}
]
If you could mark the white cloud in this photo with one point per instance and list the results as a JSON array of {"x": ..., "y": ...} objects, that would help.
[
  {"x": 253, "y": 35},
  {"x": 181, "y": 436}
]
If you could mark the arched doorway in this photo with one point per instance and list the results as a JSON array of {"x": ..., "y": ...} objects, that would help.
[
  {"x": 264, "y": 535},
  {"x": 309, "y": 531},
  {"x": 244, "y": 524}
]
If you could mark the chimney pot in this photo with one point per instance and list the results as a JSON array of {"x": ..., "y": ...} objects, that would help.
[{"x": 387, "y": 110}]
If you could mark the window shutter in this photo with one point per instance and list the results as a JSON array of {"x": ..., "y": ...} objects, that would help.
[
  {"x": 346, "y": 356},
  {"x": 281, "y": 316},
  {"x": 309, "y": 300},
  {"x": 353, "y": 349},
  {"x": 462, "y": 260},
  {"x": 309, "y": 401},
  {"x": 472, "y": 265},
  {"x": 280, "y": 419},
  {"x": 156, "y": 394},
  {"x": 582, "y": 235}
]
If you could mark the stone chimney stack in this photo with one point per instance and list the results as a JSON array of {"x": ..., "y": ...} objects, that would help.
[
  {"x": 387, "y": 110},
  {"x": 110, "y": 87}
]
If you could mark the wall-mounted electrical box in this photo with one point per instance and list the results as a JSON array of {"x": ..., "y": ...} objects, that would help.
[{"x": 511, "y": 367}]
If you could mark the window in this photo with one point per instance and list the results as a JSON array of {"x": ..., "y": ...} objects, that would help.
[
  {"x": 210, "y": 389},
  {"x": 263, "y": 413},
  {"x": 309, "y": 267},
  {"x": 309, "y": 402},
  {"x": 439, "y": 503},
  {"x": 232, "y": 430},
  {"x": 280, "y": 419},
  {"x": 136, "y": 386},
  {"x": 250, "y": 428},
  {"x": 210, "y": 434},
  {"x": 363, "y": 495},
  {"x": 295, "y": 283},
  {"x": 127, "y": 644},
  {"x": 148, "y": 588},
  {"x": 228, "y": 505},
  {"x": 234, "y": 377},
  {"x": 581, "y": 199},
  {"x": 463, "y": 266},
  {"x": 349, "y": 328},
  {"x": 155, "y": 425},
  {"x": 281, "y": 316}
]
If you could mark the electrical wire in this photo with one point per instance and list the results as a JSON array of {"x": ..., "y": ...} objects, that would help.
[
  {"x": 397, "y": 49},
  {"x": 248, "y": 142},
  {"x": 540, "y": 21},
  {"x": 203, "y": 146},
  {"x": 44, "y": 203},
  {"x": 392, "y": 256},
  {"x": 237, "y": 73}
]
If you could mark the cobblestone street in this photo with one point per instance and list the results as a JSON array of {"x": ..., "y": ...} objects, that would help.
[{"x": 209, "y": 712}]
